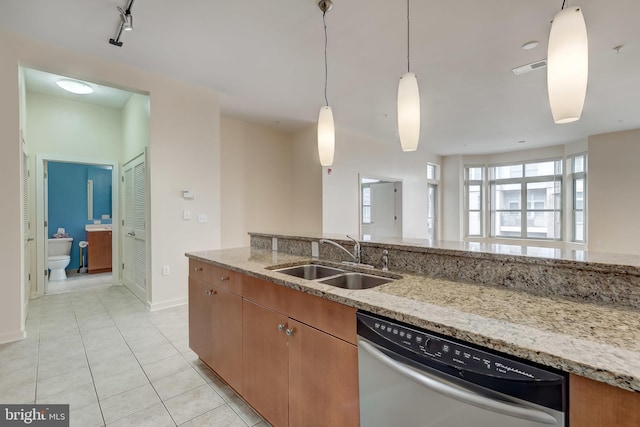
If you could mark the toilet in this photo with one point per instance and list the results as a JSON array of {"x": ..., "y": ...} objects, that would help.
[{"x": 58, "y": 257}]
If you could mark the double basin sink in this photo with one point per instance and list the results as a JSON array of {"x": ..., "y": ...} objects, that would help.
[{"x": 335, "y": 276}]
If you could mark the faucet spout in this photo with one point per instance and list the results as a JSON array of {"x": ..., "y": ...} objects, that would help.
[{"x": 356, "y": 248}]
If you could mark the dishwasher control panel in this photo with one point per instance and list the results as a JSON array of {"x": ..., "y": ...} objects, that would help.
[{"x": 447, "y": 351}]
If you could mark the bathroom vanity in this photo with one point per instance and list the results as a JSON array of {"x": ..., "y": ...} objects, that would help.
[{"x": 99, "y": 250}]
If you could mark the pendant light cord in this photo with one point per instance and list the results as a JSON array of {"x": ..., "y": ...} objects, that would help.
[
  {"x": 326, "y": 73},
  {"x": 408, "y": 45},
  {"x": 563, "y": 3}
]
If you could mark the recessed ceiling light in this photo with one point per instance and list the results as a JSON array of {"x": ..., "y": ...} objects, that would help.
[
  {"x": 75, "y": 86},
  {"x": 530, "y": 45}
]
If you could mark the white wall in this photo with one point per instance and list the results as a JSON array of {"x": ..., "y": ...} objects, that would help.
[
  {"x": 184, "y": 152},
  {"x": 612, "y": 196},
  {"x": 69, "y": 128},
  {"x": 135, "y": 127},
  {"x": 256, "y": 180},
  {"x": 356, "y": 154},
  {"x": 452, "y": 175}
]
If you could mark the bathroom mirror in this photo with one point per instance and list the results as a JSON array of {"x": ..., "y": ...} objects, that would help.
[
  {"x": 99, "y": 192},
  {"x": 380, "y": 207}
]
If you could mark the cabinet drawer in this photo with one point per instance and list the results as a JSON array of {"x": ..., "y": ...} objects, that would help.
[
  {"x": 227, "y": 280},
  {"x": 200, "y": 270},
  {"x": 331, "y": 317}
]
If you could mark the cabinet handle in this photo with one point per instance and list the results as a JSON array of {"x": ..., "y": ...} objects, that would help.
[
  {"x": 281, "y": 327},
  {"x": 207, "y": 293},
  {"x": 224, "y": 278},
  {"x": 213, "y": 292},
  {"x": 197, "y": 269},
  {"x": 289, "y": 332}
]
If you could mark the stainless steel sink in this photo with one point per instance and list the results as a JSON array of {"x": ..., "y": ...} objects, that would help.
[
  {"x": 356, "y": 281},
  {"x": 310, "y": 271}
]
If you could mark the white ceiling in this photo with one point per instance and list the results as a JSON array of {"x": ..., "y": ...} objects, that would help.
[{"x": 266, "y": 60}]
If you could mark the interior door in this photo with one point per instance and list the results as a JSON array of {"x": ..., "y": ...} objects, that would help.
[
  {"x": 384, "y": 218},
  {"x": 134, "y": 266}
]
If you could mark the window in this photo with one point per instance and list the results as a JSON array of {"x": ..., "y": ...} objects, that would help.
[
  {"x": 366, "y": 205},
  {"x": 433, "y": 178},
  {"x": 474, "y": 197},
  {"x": 526, "y": 200},
  {"x": 577, "y": 166}
]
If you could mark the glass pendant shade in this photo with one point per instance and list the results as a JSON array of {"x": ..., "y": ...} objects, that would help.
[
  {"x": 409, "y": 112},
  {"x": 326, "y": 136},
  {"x": 567, "y": 65}
]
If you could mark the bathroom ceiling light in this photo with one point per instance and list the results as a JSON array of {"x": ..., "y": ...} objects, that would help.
[
  {"x": 75, "y": 86},
  {"x": 408, "y": 105},
  {"x": 126, "y": 23},
  {"x": 326, "y": 127},
  {"x": 567, "y": 65}
]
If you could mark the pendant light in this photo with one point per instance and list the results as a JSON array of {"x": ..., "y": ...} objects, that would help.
[
  {"x": 567, "y": 65},
  {"x": 408, "y": 105},
  {"x": 326, "y": 128}
]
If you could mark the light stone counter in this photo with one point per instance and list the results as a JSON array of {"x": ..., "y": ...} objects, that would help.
[{"x": 601, "y": 342}]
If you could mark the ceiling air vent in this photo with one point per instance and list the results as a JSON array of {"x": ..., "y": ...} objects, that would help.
[{"x": 530, "y": 67}]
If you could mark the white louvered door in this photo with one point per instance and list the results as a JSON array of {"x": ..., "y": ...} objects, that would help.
[
  {"x": 134, "y": 270},
  {"x": 26, "y": 232}
]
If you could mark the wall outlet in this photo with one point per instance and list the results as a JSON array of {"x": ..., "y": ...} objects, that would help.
[
  {"x": 165, "y": 270},
  {"x": 202, "y": 218},
  {"x": 186, "y": 215}
]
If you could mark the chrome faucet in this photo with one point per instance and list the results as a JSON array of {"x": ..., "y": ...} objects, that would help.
[
  {"x": 385, "y": 260},
  {"x": 356, "y": 248}
]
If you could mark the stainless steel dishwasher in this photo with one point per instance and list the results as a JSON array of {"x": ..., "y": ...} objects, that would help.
[{"x": 415, "y": 378}]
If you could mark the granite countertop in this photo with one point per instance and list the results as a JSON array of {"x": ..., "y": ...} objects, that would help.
[{"x": 600, "y": 342}]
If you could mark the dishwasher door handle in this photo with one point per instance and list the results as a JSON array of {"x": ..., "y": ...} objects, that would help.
[{"x": 456, "y": 393}]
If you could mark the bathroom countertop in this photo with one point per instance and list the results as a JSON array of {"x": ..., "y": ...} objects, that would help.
[{"x": 601, "y": 342}]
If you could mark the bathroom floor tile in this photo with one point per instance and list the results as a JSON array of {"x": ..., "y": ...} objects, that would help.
[
  {"x": 165, "y": 367},
  {"x": 119, "y": 382},
  {"x": 63, "y": 382}
]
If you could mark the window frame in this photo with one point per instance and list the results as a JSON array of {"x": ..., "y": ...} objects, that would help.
[
  {"x": 572, "y": 178},
  {"x": 481, "y": 209}
]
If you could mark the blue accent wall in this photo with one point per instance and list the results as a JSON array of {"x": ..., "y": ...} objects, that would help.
[{"x": 67, "y": 189}]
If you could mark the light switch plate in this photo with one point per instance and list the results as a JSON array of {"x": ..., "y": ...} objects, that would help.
[
  {"x": 202, "y": 218},
  {"x": 186, "y": 215}
]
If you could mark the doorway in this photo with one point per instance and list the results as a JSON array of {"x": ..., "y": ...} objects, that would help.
[
  {"x": 89, "y": 200},
  {"x": 380, "y": 207}
]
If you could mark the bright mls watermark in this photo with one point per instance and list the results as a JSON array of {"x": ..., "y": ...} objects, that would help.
[{"x": 34, "y": 415}]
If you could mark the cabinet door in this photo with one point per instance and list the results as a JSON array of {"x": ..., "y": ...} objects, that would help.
[
  {"x": 323, "y": 379},
  {"x": 596, "y": 404},
  {"x": 265, "y": 381},
  {"x": 226, "y": 336},
  {"x": 200, "y": 319},
  {"x": 99, "y": 251}
]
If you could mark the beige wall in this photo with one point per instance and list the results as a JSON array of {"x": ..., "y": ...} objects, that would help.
[
  {"x": 184, "y": 152},
  {"x": 612, "y": 195},
  {"x": 306, "y": 183},
  {"x": 270, "y": 182}
]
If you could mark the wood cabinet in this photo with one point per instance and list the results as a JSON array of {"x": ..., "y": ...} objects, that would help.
[
  {"x": 215, "y": 320},
  {"x": 99, "y": 251},
  {"x": 596, "y": 404},
  {"x": 295, "y": 374}
]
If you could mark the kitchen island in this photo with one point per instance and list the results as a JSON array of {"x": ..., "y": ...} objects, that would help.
[{"x": 597, "y": 339}]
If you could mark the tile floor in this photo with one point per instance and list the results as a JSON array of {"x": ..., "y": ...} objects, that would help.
[
  {"x": 79, "y": 282},
  {"x": 116, "y": 364}
]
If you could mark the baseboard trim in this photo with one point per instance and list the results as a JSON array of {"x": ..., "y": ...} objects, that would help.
[
  {"x": 167, "y": 304},
  {"x": 12, "y": 336}
]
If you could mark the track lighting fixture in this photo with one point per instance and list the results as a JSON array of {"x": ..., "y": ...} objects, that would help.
[
  {"x": 326, "y": 128},
  {"x": 126, "y": 23}
]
